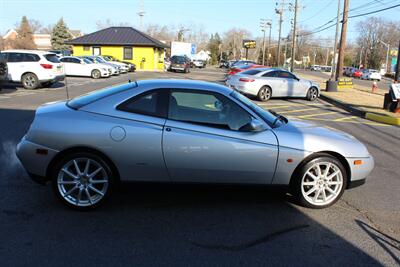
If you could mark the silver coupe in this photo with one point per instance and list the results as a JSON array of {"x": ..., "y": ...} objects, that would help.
[{"x": 184, "y": 131}]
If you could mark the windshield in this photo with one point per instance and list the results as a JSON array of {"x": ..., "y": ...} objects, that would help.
[
  {"x": 90, "y": 59},
  {"x": 87, "y": 61},
  {"x": 99, "y": 59},
  {"x": 266, "y": 115}
]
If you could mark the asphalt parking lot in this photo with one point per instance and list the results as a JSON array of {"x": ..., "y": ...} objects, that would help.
[{"x": 187, "y": 225}]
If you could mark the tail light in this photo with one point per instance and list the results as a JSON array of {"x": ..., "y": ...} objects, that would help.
[
  {"x": 47, "y": 66},
  {"x": 246, "y": 80}
]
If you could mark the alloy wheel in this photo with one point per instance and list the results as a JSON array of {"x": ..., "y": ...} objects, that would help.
[
  {"x": 29, "y": 81},
  {"x": 82, "y": 182},
  {"x": 322, "y": 183},
  {"x": 313, "y": 94}
]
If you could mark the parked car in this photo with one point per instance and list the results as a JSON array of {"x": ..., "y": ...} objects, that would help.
[
  {"x": 33, "y": 68},
  {"x": 131, "y": 66},
  {"x": 124, "y": 68},
  {"x": 3, "y": 70},
  {"x": 114, "y": 68},
  {"x": 243, "y": 62},
  {"x": 61, "y": 53},
  {"x": 184, "y": 131},
  {"x": 356, "y": 73},
  {"x": 75, "y": 66},
  {"x": 265, "y": 83},
  {"x": 180, "y": 63},
  {"x": 197, "y": 63},
  {"x": 315, "y": 68},
  {"x": 368, "y": 74}
]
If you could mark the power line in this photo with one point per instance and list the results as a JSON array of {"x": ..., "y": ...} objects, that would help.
[{"x": 373, "y": 12}]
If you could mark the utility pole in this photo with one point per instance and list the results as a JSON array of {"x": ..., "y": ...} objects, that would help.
[
  {"x": 296, "y": 7},
  {"x": 342, "y": 45},
  {"x": 387, "y": 54},
  {"x": 269, "y": 43},
  {"x": 396, "y": 77},
  {"x": 280, "y": 13},
  {"x": 333, "y": 69}
]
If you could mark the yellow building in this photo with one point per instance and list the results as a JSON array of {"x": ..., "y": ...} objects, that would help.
[{"x": 125, "y": 44}]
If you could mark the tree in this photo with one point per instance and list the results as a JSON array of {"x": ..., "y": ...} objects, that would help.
[
  {"x": 24, "y": 38},
  {"x": 214, "y": 47},
  {"x": 59, "y": 35}
]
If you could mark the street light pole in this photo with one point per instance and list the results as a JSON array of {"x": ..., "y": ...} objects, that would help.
[
  {"x": 294, "y": 36},
  {"x": 387, "y": 55},
  {"x": 263, "y": 52},
  {"x": 264, "y": 23},
  {"x": 269, "y": 43}
]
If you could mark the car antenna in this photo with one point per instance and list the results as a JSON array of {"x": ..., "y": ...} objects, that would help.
[
  {"x": 129, "y": 81},
  {"x": 66, "y": 84}
]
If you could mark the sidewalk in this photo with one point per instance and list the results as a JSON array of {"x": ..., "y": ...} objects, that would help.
[{"x": 359, "y": 100}]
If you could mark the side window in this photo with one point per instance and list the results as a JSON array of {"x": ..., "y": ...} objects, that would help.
[
  {"x": 128, "y": 54},
  {"x": 3, "y": 57},
  {"x": 15, "y": 57},
  {"x": 286, "y": 75},
  {"x": 207, "y": 109},
  {"x": 75, "y": 60},
  {"x": 30, "y": 58},
  {"x": 149, "y": 103},
  {"x": 271, "y": 74}
]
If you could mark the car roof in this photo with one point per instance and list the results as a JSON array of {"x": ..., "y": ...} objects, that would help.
[
  {"x": 185, "y": 84},
  {"x": 40, "y": 52}
]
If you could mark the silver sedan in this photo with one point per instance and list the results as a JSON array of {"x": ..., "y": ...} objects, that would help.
[
  {"x": 184, "y": 132},
  {"x": 265, "y": 83}
]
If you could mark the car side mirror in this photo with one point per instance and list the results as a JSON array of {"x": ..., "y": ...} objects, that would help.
[{"x": 253, "y": 126}]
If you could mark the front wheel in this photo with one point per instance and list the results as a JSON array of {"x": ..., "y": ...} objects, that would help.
[
  {"x": 312, "y": 94},
  {"x": 264, "y": 94},
  {"x": 96, "y": 74},
  {"x": 320, "y": 182},
  {"x": 82, "y": 181}
]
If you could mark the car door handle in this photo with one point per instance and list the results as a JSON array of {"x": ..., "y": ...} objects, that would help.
[{"x": 168, "y": 129}]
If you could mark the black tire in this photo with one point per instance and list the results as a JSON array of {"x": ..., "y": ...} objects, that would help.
[
  {"x": 96, "y": 74},
  {"x": 30, "y": 81},
  {"x": 94, "y": 158},
  {"x": 312, "y": 94},
  {"x": 300, "y": 174},
  {"x": 264, "y": 94}
]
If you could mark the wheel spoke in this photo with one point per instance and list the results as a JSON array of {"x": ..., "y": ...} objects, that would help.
[
  {"x": 96, "y": 190},
  {"x": 99, "y": 181},
  {"x": 78, "y": 198},
  {"x": 309, "y": 183},
  {"x": 333, "y": 175},
  {"x": 71, "y": 191},
  {"x": 323, "y": 194},
  {"x": 87, "y": 167},
  {"x": 328, "y": 167},
  {"x": 334, "y": 182},
  {"x": 88, "y": 196},
  {"x": 93, "y": 174},
  {"x": 67, "y": 172},
  {"x": 78, "y": 171},
  {"x": 319, "y": 173},
  {"x": 312, "y": 175},
  {"x": 331, "y": 191},
  {"x": 67, "y": 182},
  {"x": 311, "y": 191},
  {"x": 316, "y": 195}
]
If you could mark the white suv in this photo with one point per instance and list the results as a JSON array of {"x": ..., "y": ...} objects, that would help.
[{"x": 33, "y": 68}]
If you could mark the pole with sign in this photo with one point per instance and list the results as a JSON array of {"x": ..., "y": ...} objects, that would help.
[{"x": 249, "y": 44}]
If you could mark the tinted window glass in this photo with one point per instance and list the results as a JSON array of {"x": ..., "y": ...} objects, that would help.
[
  {"x": 64, "y": 60},
  {"x": 75, "y": 60},
  {"x": 30, "y": 58},
  {"x": 3, "y": 56},
  {"x": 128, "y": 53},
  {"x": 207, "y": 109},
  {"x": 146, "y": 104},
  {"x": 52, "y": 58},
  {"x": 91, "y": 97},
  {"x": 271, "y": 74},
  {"x": 251, "y": 72},
  {"x": 287, "y": 75},
  {"x": 15, "y": 57}
]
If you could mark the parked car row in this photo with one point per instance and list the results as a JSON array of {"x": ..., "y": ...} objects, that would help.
[
  {"x": 265, "y": 83},
  {"x": 363, "y": 74},
  {"x": 321, "y": 68},
  {"x": 34, "y": 68}
]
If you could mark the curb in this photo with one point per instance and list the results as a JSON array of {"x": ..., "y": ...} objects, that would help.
[{"x": 361, "y": 113}]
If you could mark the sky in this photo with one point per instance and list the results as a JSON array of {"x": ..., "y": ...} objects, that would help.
[{"x": 212, "y": 15}]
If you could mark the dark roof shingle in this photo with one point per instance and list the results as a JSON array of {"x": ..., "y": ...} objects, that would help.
[{"x": 117, "y": 36}]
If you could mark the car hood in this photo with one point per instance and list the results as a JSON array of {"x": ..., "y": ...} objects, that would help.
[{"x": 307, "y": 136}]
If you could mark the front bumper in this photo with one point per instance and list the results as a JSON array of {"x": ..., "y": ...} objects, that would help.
[
  {"x": 360, "y": 172},
  {"x": 33, "y": 159}
]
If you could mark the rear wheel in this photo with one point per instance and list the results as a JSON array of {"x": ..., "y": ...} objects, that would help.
[
  {"x": 320, "y": 182},
  {"x": 30, "y": 81},
  {"x": 312, "y": 94},
  {"x": 96, "y": 74},
  {"x": 264, "y": 94},
  {"x": 82, "y": 180}
]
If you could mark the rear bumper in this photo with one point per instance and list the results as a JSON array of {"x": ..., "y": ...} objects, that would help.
[
  {"x": 34, "y": 162},
  {"x": 54, "y": 79}
]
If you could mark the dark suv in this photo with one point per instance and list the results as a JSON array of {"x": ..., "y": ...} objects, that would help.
[{"x": 180, "y": 63}]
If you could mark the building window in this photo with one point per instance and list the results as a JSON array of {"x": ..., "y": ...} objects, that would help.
[
  {"x": 160, "y": 56},
  {"x": 128, "y": 54},
  {"x": 86, "y": 48},
  {"x": 96, "y": 51}
]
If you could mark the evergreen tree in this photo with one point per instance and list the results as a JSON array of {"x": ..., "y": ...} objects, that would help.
[
  {"x": 59, "y": 35},
  {"x": 24, "y": 38},
  {"x": 214, "y": 45}
]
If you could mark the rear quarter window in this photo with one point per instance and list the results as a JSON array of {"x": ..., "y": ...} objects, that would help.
[
  {"x": 52, "y": 58},
  {"x": 251, "y": 72}
]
